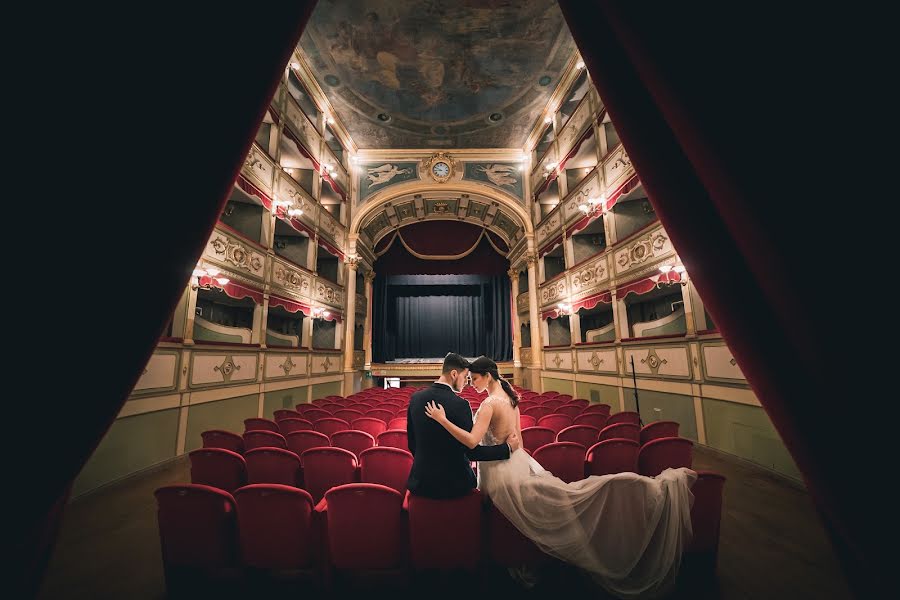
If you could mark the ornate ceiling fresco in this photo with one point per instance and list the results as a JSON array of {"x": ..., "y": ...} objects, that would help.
[{"x": 437, "y": 74}]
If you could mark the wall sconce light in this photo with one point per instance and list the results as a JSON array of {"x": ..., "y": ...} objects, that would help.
[
  {"x": 677, "y": 268},
  {"x": 295, "y": 65},
  {"x": 548, "y": 120},
  {"x": 579, "y": 65},
  {"x": 211, "y": 274},
  {"x": 289, "y": 207},
  {"x": 319, "y": 312},
  {"x": 564, "y": 308},
  {"x": 591, "y": 205}
]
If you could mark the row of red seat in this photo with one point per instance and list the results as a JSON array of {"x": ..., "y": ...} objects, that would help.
[{"x": 361, "y": 529}]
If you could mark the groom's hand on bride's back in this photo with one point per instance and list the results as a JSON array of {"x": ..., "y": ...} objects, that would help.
[{"x": 514, "y": 442}]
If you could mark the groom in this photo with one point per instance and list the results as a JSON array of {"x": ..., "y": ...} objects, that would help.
[{"x": 442, "y": 466}]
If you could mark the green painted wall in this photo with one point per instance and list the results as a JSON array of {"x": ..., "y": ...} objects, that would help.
[
  {"x": 608, "y": 394},
  {"x": 202, "y": 333},
  {"x": 563, "y": 386},
  {"x": 672, "y": 407},
  {"x": 331, "y": 388},
  {"x": 746, "y": 431},
  {"x": 288, "y": 398},
  {"x": 130, "y": 445},
  {"x": 228, "y": 414}
]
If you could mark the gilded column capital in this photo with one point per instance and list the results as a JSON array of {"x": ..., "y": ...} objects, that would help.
[{"x": 369, "y": 276}]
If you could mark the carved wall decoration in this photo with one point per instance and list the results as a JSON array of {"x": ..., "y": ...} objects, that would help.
[
  {"x": 554, "y": 291},
  {"x": 290, "y": 278},
  {"x": 662, "y": 361},
  {"x": 549, "y": 228},
  {"x": 329, "y": 293},
  {"x": 218, "y": 368},
  {"x": 597, "y": 361},
  {"x": 617, "y": 166},
  {"x": 258, "y": 168},
  {"x": 525, "y": 355},
  {"x": 522, "y": 302},
  {"x": 159, "y": 373},
  {"x": 590, "y": 276},
  {"x": 651, "y": 246},
  {"x": 285, "y": 365},
  {"x": 558, "y": 361},
  {"x": 228, "y": 249}
]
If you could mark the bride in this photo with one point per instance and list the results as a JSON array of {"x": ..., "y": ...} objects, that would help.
[{"x": 628, "y": 531}]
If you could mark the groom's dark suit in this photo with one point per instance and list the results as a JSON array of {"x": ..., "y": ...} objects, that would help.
[{"x": 441, "y": 465}]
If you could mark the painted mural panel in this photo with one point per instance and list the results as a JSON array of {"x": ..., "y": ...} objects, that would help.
[
  {"x": 502, "y": 175},
  {"x": 376, "y": 176}
]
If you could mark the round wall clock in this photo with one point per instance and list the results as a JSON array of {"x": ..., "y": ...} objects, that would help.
[
  {"x": 440, "y": 166},
  {"x": 440, "y": 169}
]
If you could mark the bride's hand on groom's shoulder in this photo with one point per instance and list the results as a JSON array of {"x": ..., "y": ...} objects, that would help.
[
  {"x": 436, "y": 412},
  {"x": 514, "y": 442}
]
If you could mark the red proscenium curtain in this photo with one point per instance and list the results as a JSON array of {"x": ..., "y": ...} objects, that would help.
[
  {"x": 178, "y": 59},
  {"x": 689, "y": 86}
]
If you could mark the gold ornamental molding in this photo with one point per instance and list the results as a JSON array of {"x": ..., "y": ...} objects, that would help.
[{"x": 441, "y": 167}]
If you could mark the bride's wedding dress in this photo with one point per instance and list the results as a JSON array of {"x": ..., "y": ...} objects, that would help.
[{"x": 627, "y": 530}]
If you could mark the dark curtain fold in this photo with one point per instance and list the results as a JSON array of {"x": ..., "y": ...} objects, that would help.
[
  {"x": 422, "y": 316},
  {"x": 693, "y": 89},
  {"x": 186, "y": 58}
]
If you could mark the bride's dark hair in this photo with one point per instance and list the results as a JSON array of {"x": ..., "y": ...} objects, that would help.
[{"x": 483, "y": 365}]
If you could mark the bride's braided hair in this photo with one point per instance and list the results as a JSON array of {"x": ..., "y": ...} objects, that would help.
[{"x": 483, "y": 365}]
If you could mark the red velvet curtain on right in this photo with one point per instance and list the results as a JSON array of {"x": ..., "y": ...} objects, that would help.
[{"x": 711, "y": 103}]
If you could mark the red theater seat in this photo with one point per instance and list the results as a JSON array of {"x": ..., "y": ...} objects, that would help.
[{"x": 218, "y": 468}]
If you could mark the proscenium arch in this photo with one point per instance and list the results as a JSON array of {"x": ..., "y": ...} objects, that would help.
[{"x": 456, "y": 188}]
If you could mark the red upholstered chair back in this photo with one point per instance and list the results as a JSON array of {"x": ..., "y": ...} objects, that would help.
[
  {"x": 276, "y": 528},
  {"x": 331, "y": 425},
  {"x": 570, "y": 410},
  {"x": 526, "y": 421},
  {"x": 395, "y": 438},
  {"x": 658, "y": 429},
  {"x": 217, "y": 438},
  {"x": 291, "y": 425},
  {"x": 538, "y": 411},
  {"x": 273, "y": 465},
  {"x": 349, "y": 414},
  {"x": 371, "y": 426},
  {"x": 594, "y": 419},
  {"x": 563, "y": 459},
  {"x": 535, "y": 437},
  {"x": 218, "y": 468},
  {"x": 263, "y": 439},
  {"x": 254, "y": 424},
  {"x": 385, "y": 466},
  {"x": 706, "y": 516},
  {"x": 552, "y": 404},
  {"x": 445, "y": 534},
  {"x": 580, "y": 402},
  {"x": 612, "y": 456},
  {"x": 352, "y": 440},
  {"x": 626, "y": 416},
  {"x": 585, "y": 435},
  {"x": 325, "y": 468},
  {"x": 196, "y": 526},
  {"x": 316, "y": 414},
  {"x": 364, "y": 526},
  {"x": 555, "y": 422},
  {"x": 286, "y": 413},
  {"x": 332, "y": 407},
  {"x": 664, "y": 453},
  {"x": 301, "y": 441},
  {"x": 380, "y": 413},
  {"x": 507, "y": 546},
  {"x": 621, "y": 430},
  {"x": 597, "y": 408},
  {"x": 397, "y": 423}
]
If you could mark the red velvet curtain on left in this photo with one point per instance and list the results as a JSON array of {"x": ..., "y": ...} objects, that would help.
[{"x": 191, "y": 84}]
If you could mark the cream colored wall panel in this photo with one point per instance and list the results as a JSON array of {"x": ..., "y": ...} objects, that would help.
[
  {"x": 589, "y": 277},
  {"x": 571, "y": 130},
  {"x": 137, "y": 406},
  {"x": 719, "y": 363},
  {"x": 329, "y": 293},
  {"x": 522, "y": 302},
  {"x": 331, "y": 227},
  {"x": 326, "y": 363},
  {"x": 159, "y": 373},
  {"x": 285, "y": 365},
  {"x": 289, "y": 277},
  {"x": 558, "y": 360},
  {"x": 555, "y": 291},
  {"x": 287, "y": 189},
  {"x": 597, "y": 361},
  {"x": 259, "y": 169},
  {"x": 214, "y": 368},
  {"x": 653, "y": 245},
  {"x": 235, "y": 253},
  {"x": 663, "y": 361},
  {"x": 589, "y": 188},
  {"x": 525, "y": 355},
  {"x": 300, "y": 124},
  {"x": 617, "y": 168},
  {"x": 548, "y": 228}
]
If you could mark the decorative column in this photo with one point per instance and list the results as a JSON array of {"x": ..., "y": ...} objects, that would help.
[
  {"x": 536, "y": 358},
  {"x": 349, "y": 320},
  {"x": 514, "y": 317},
  {"x": 260, "y": 322},
  {"x": 690, "y": 322},
  {"x": 188, "y": 332},
  {"x": 620, "y": 317},
  {"x": 367, "y": 336}
]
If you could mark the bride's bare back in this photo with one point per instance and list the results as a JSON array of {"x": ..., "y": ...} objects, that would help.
[{"x": 504, "y": 418}]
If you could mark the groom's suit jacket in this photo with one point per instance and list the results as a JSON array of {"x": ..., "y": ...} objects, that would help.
[{"x": 441, "y": 465}]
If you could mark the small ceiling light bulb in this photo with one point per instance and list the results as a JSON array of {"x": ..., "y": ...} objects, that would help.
[
  {"x": 213, "y": 271},
  {"x": 580, "y": 65},
  {"x": 295, "y": 212},
  {"x": 199, "y": 273},
  {"x": 665, "y": 268},
  {"x": 548, "y": 120},
  {"x": 222, "y": 280},
  {"x": 679, "y": 269}
]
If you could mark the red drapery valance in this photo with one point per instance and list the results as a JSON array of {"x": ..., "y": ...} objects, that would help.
[
  {"x": 233, "y": 289},
  {"x": 554, "y": 173},
  {"x": 331, "y": 248},
  {"x": 301, "y": 148},
  {"x": 611, "y": 200},
  {"x": 646, "y": 284},
  {"x": 335, "y": 186},
  {"x": 551, "y": 245},
  {"x": 251, "y": 189},
  {"x": 292, "y": 306},
  {"x": 592, "y": 301}
]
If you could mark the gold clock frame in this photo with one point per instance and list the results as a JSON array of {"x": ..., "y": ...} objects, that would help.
[{"x": 444, "y": 158}]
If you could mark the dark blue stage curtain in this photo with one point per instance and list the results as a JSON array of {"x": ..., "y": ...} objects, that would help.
[{"x": 426, "y": 316}]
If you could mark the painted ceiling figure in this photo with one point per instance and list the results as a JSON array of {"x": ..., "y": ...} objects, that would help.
[{"x": 384, "y": 174}]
